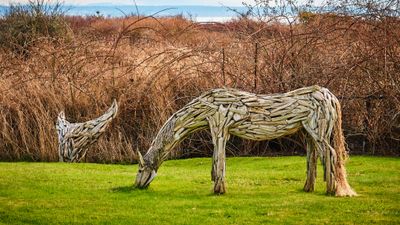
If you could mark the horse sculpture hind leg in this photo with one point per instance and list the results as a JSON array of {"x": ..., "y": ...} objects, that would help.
[
  {"x": 318, "y": 143},
  {"x": 320, "y": 126}
]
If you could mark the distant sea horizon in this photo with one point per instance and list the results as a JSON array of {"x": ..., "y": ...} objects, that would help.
[{"x": 197, "y": 13}]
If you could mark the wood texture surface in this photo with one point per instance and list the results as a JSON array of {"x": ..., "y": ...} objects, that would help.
[
  {"x": 74, "y": 139},
  {"x": 259, "y": 117}
]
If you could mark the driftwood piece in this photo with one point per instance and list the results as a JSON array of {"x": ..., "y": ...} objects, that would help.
[
  {"x": 74, "y": 139},
  {"x": 258, "y": 117}
]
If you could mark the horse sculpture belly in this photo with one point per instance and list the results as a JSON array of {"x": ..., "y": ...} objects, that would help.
[{"x": 258, "y": 117}]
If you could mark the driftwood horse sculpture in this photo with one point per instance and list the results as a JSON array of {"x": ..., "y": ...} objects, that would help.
[
  {"x": 258, "y": 117},
  {"x": 74, "y": 139}
]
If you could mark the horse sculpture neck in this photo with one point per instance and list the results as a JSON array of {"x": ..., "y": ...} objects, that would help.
[
  {"x": 161, "y": 145},
  {"x": 176, "y": 129}
]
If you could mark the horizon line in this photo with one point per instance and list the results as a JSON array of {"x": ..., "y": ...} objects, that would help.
[{"x": 125, "y": 4}]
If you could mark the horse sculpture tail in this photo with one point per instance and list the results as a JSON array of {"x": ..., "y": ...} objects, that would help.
[
  {"x": 338, "y": 137},
  {"x": 342, "y": 186}
]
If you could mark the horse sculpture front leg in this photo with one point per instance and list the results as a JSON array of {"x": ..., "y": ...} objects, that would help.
[
  {"x": 220, "y": 135},
  {"x": 312, "y": 157}
]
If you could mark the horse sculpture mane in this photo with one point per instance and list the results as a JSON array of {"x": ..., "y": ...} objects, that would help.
[{"x": 258, "y": 117}]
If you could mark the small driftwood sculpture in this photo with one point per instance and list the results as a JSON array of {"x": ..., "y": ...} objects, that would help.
[
  {"x": 74, "y": 139},
  {"x": 258, "y": 117}
]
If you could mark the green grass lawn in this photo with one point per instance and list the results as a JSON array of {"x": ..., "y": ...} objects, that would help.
[{"x": 259, "y": 191}]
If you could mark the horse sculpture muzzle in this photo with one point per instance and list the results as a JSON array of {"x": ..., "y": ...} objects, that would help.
[
  {"x": 145, "y": 174},
  {"x": 144, "y": 178}
]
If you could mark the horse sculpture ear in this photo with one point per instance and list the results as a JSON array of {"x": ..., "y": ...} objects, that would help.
[
  {"x": 141, "y": 161},
  {"x": 61, "y": 115}
]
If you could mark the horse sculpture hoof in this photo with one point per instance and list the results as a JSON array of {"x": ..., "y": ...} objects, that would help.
[{"x": 219, "y": 188}]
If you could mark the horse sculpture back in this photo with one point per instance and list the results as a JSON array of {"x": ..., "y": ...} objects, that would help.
[{"x": 258, "y": 117}]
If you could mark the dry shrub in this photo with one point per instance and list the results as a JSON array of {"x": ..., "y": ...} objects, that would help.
[
  {"x": 174, "y": 60},
  {"x": 24, "y": 25}
]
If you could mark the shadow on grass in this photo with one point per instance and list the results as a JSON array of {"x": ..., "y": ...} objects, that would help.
[
  {"x": 315, "y": 192},
  {"x": 126, "y": 189}
]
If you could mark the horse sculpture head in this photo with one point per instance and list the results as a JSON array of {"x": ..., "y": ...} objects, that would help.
[{"x": 145, "y": 173}]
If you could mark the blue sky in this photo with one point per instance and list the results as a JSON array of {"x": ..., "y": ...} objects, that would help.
[{"x": 148, "y": 2}]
